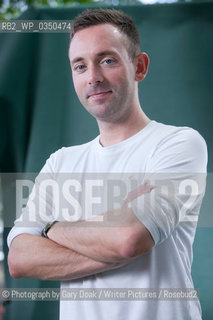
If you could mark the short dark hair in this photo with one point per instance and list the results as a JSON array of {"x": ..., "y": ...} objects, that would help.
[{"x": 119, "y": 19}]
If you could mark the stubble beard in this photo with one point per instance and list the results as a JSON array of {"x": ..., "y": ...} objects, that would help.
[{"x": 113, "y": 110}]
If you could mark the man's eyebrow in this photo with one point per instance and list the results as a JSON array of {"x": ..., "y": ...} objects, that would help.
[
  {"x": 99, "y": 54},
  {"x": 105, "y": 53},
  {"x": 77, "y": 59}
]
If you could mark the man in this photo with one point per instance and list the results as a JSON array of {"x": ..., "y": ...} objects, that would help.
[{"x": 147, "y": 241}]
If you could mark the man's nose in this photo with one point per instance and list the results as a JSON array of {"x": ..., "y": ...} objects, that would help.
[{"x": 95, "y": 75}]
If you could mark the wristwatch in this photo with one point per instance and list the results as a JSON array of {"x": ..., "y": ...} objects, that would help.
[{"x": 47, "y": 228}]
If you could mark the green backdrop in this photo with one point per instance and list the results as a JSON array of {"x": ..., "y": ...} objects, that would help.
[{"x": 41, "y": 113}]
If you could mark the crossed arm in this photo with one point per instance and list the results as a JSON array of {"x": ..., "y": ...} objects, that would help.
[
  {"x": 113, "y": 240},
  {"x": 79, "y": 249},
  {"x": 33, "y": 256}
]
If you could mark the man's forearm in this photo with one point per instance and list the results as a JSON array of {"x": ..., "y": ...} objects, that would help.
[
  {"x": 36, "y": 257},
  {"x": 116, "y": 239},
  {"x": 94, "y": 239},
  {"x": 116, "y": 235}
]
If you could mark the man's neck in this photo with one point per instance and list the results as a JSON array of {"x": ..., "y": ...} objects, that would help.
[{"x": 112, "y": 133}]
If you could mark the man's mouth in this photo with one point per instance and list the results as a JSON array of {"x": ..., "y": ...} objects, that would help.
[{"x": 99, "y": 95}]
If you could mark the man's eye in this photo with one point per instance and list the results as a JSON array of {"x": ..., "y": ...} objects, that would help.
[
  {"x": 108, "y": 61},
  {"x": 79, "y": 67}
]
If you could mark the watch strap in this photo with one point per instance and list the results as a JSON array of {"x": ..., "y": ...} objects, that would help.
[{"x": 47, "y": 228}]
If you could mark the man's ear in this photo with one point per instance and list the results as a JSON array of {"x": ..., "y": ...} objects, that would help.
[{"x": 141, "y": 64}]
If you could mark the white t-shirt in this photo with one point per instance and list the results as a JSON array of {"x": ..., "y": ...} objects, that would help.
[{"x": 174, "y": 160}]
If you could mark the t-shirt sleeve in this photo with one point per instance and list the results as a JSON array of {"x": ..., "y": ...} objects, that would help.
[
  {"x": 40, "y": 205},
  {"x": 177, "y": 170}
]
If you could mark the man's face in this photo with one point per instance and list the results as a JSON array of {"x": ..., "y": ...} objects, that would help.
[{"x": 103, "y": 74}]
